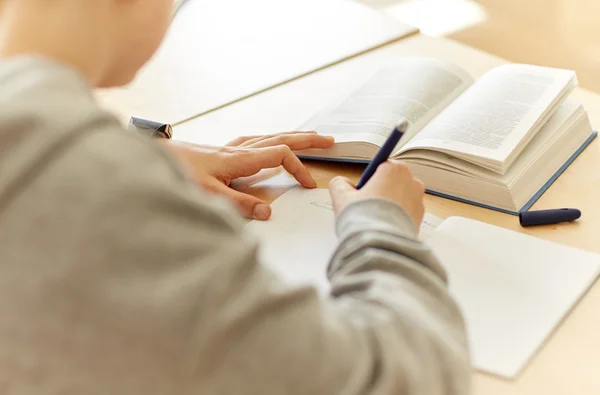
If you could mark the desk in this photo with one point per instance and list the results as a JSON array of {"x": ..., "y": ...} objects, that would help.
[
  {"x": 569, "y": 362},
  {"x": 559, "y": 33},
  {"x": 217, "y": 52}
]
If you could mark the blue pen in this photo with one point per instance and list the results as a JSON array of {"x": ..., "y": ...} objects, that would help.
[{"x": 384, "y": 152}]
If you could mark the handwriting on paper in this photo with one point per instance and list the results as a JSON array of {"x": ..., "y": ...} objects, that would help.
[{"x": 326, "y": 205}]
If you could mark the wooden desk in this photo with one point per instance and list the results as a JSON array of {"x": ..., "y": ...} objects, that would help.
[
  {"x": 217, "y": 52},
  {"x": 559, "y": 33},
  {"x": 569, "y": 362}
]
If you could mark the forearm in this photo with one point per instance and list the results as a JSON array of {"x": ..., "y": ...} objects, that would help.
[{"x": 395, "y": 289}]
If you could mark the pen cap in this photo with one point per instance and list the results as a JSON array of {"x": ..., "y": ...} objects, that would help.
[
  {"x": 548, "y": 217},
  {"x": 150, "y": 128},
  {"x": 402, "y": 125}
]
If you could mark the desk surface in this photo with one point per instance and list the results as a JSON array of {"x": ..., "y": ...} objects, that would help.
[
  {"x": 568, "y": 362},
  {"x": 217, "y": 52},
  {"x": 559, "y": 33}
]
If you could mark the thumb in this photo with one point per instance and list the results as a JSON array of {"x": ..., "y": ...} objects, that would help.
[
  {"x": 340, "y": 185},
  {"x": 248, "y": 205}
]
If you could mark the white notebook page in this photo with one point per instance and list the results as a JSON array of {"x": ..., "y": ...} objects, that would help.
[{"x": 513, "y": 288}]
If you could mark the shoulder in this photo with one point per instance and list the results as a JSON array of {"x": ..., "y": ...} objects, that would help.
[
  {"x": 70, "y": 160},
  {"x": 52, "y": 130}
]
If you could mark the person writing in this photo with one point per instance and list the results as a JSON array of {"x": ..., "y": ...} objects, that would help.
[{"x": 124, "y": 265}]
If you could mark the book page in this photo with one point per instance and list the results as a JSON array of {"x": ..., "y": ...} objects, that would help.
[
  {"x": 413, "y": 88},
  {"x": 498, "y": 114}
]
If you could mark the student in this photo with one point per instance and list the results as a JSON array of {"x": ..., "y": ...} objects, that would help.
[{"x": 119, "y": 275}]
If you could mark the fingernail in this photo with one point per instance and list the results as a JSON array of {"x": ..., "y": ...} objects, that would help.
[{"x": 261, "y": 211}]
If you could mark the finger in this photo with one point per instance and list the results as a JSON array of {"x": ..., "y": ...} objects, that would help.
[
  {"x": 248, "y": 205},
  {"x": 392, "y": 169},
  {"x": 251, "y": 142},
  {"x": 247, "y": 162},
  {"x": 298, "y": 141},
  {"x": 420, "y": 186},
  {"x": 256, "y": 139},
  {"x": 399, "y": 166},
  {"x": 240, "y": 140},
  {"x": 340, "y": 185},
  {"x": 292, "y": 164},
  {"x": 340, "y": 189},
  {"x": 270, "y": 157}
]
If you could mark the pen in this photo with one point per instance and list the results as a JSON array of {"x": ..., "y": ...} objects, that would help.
[{"x": 384, "y": 152}]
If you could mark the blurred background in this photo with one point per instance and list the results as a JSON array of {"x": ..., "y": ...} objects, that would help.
[{"x": 558, "y": 33}]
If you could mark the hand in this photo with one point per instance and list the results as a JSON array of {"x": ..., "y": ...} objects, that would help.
[
  {"x": 393, "y": 181},
  {"x": 214, "y": 168}
]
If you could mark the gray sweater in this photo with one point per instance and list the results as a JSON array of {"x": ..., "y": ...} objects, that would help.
[{"x": 118, "y": 276}]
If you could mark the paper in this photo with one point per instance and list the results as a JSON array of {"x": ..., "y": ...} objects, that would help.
[
  {"x": 429, "y": 224},
  {"x": 289, "y": 236},
  {"x": 289, "y": 245},
  {"x": 513, "y": 289}
]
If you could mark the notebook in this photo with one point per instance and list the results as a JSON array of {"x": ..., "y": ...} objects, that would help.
[
  {"x": 498, "y": 142},
  {"x": 513, "y": 289}
]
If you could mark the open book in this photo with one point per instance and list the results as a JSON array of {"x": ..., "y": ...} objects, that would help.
[{"x": 498, "y": 142}]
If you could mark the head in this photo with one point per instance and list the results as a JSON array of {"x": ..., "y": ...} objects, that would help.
[{"x": 107, "y": 40}]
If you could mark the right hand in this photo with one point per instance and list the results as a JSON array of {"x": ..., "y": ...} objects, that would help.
[{"x": 392, "y": 181}]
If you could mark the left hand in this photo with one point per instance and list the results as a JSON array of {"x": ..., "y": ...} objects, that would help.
[{"x": 214, "y": 168}]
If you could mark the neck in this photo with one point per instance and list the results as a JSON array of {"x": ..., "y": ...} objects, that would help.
[{"x": 67, "y": 31}]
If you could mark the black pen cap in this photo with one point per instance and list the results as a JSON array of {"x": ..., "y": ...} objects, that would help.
[
  {"x": 548, "y": 217},
  {"x": 150, "y": 128}
]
